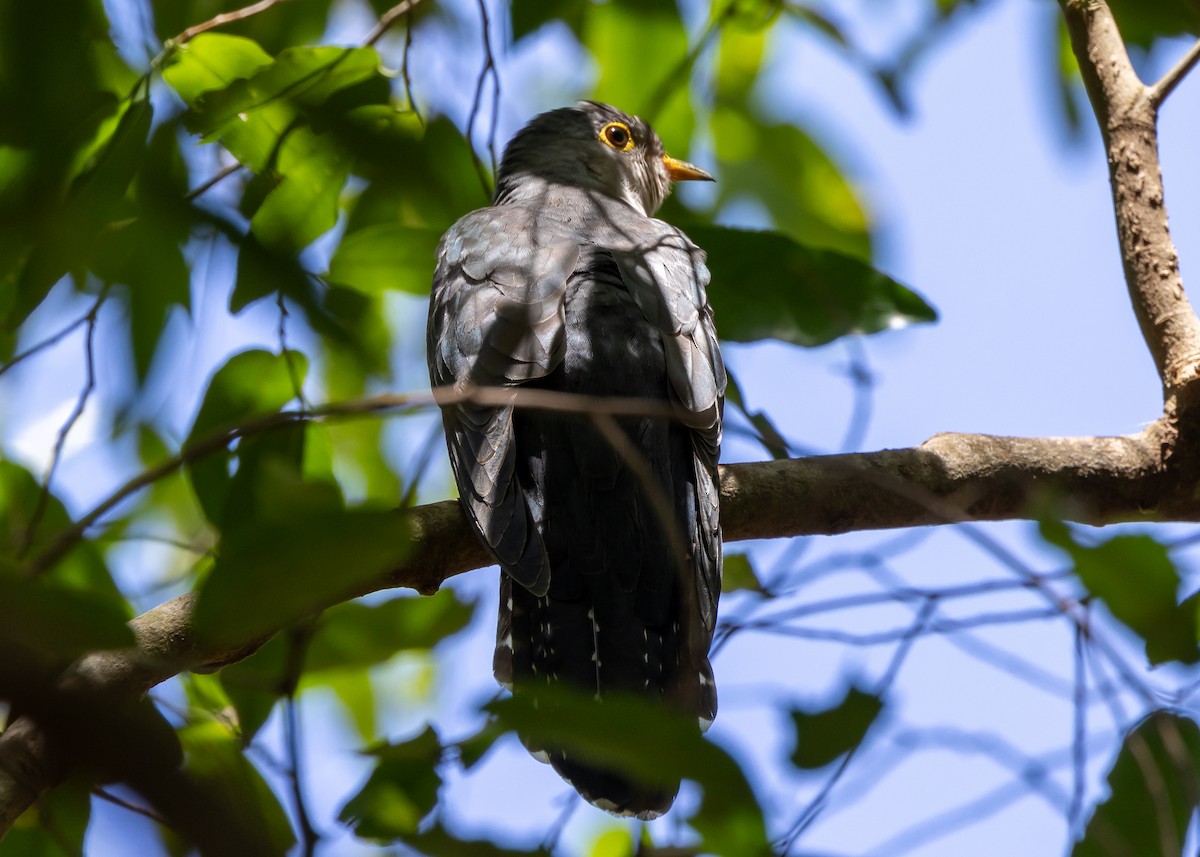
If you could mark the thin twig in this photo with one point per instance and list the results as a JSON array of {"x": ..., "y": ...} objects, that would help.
[
  {"x": 1166, "y": 84},
  {"x": 224, "y": 18},
  {"x": 148, "y": 812},
  {"x": 221, "y": 438},
  {"x": 1079, "y": 739},
  {"x": 489, "y": 68},
  {"x": 388, "y": 19},
  {"x": 308, "y": 834},
  {"x": 208, "y": 185},
  {"x": 60, "y": 442},
  {"x": 49, "y": 341}
]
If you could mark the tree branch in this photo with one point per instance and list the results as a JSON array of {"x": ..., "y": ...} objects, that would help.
[
  {"x": 1127, "y": 113},
  {"x": 1167, "y": 83},
  {"x": 951, "y": 477}
]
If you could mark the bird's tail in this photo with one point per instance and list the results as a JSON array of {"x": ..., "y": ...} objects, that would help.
[{"x": 548, "y": 649}]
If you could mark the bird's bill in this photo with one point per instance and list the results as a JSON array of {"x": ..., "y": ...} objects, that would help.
[{"x": 682, "y": 171}]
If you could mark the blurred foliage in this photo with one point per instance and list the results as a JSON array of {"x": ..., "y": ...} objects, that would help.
[
  {"x": 301, "y": 168},
  {"x": 1138, "y": 582},
  {"x": 1154, "y": 789},
  {"x": 825, "y": 734}
]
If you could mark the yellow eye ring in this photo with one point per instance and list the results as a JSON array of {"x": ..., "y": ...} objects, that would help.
[{"x": 617, "y": 135}]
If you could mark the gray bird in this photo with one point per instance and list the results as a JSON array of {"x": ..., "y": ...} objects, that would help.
[{"x": 610, "y": 548}]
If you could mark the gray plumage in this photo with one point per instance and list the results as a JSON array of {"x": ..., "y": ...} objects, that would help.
[{"x": 611, "y": 561}]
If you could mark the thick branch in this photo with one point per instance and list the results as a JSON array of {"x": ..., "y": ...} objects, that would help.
[
  {"x": 951, "y": 477},
  {"x": 1127, "y": 113}
]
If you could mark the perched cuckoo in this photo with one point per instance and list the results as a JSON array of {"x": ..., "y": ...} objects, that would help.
[{"x": 606, "y": 528}]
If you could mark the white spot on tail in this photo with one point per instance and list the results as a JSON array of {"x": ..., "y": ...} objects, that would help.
[
  {"x": 541, "y": 755},
  {"x": 705, "y": 723}
]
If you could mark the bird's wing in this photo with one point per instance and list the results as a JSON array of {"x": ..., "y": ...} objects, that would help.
[
  {"x": 496, "y": 319},
  {"x": 667, "y": 275}
]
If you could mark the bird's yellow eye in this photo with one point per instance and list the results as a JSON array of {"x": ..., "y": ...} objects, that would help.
[{"x": 617, "y": 135}]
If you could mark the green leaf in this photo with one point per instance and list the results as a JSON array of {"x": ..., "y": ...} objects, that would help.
[
  {"x": 1137, "y": 580},
  {"x": 386, "y": 256},
  {"x": 61, "y": 91},
  {"x": 527, "y": 17},
  {"x": 82, "y": 569},
  {"x": 642, "y": 49},
  {"x": 356, "y": 692},
  {"x": 355, "y": 635},
  {"x": 781, "y": 167},
  {"x": 256, "y": 683},
  {"x": 738, "y": 574},
  {"x": 95, "y": 199},
  {"x": 303, "y": 206},
  {"x": 58, "y": 621},
  {"x": 262, "y": 272},
  {"x": 401, "y": 790},
  {"x": 1143, "y": 23},
  {"x": 294, "y": 568},
  {"x": 241, "y": 795},
  {"x": 1154, "y": 792},
  {"x": 645, "y": 740},
  {"x": 55, "y": 826},
  {"x": 613, "y": 843},
  {"x": 824, "y": 735},
  {"x": 767, "y": 286},
  {"x": 322, "y": 81},
  {"x": 421, "y": 177},
  {"x": 212, "y": 61},
  {"x": 249, "y": 384}
]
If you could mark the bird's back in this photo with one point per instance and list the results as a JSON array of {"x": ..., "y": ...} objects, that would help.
[{"x": 617, "y": 516}]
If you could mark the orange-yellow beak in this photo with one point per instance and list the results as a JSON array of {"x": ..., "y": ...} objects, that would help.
[{"x": 682, "y": 171}]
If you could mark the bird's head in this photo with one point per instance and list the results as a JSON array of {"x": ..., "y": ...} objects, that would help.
[{"x": 597, "y": 147}]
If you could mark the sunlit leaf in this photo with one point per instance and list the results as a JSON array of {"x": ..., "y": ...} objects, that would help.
[
  {"x": 766, "y": 286},
  {"x": 737, "y": 574},
  {"x": 212, "y": 61},
  {"x": 824, "y": 735},
  {"x": 800, "y": 186},
  {"x": 401, "y": 790},
  {"x": 292, "y": 569},
  {"x": 304, "y": 204},
  {"x": 386, "y": 256},
  {"x": 1138, "y": 582},
  {"x": 613, "y": 843},
  {"x": 642, "y": 49},
  {"x": 251, "y": 383},
  {"x": 1154, "y": 792}
]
